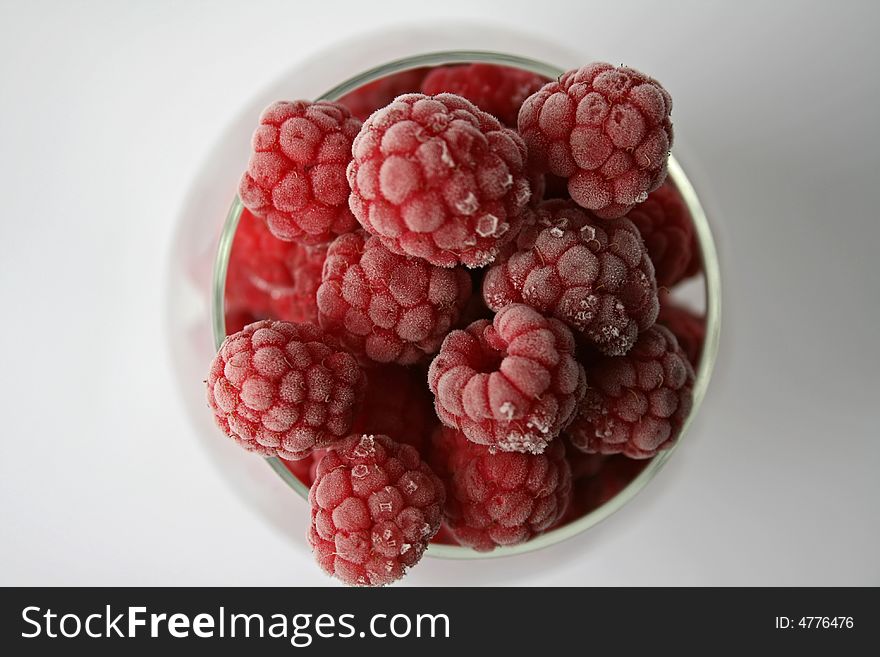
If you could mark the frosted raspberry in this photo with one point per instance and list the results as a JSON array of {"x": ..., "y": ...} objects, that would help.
[
  {"x": 499, "y": 90},
  {"x": 666, "y": 226},
  {"x": 512, "y": 384},
  {"x": 375, "y": 506},
  {"x": 689, "y": 329},
  {"x": 437, "y": 178},
  {"x": 606, "y": 129},
  {"x": 268, "y": 277},
  {"x": 296, "y": 176},
  {"x": 503, "y": 498},
  {"x": 283, "y": 389},
  {"x": 636, "y": 404},
  {"x": 387, "y": 307},
  {"x": 375, "y": 95},
  {"x": 398, "y": 404},
  {"x": 595, "y": 275}
]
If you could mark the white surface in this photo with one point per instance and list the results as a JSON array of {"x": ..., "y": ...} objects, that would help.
[{"x": 110, "y": 476}]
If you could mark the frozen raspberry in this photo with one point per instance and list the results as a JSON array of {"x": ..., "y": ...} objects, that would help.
[
  {"x": 499, "y": 90},
  {"x": 689, "y": 329},
  {"x": 503, "y": 498},
  {"x": 666, "y": 226},
  {"x": 512, "y": 384},
  {"x": 375, "y": 506},
  {"x": 606, "y": 129},
  {"x": 296, "y": 176},
  {"x": 374, "y": 95},
  {"x": 398, "y": 404},
  {"x": 595, "y": 275},
  {"x": 283, "y": 389},
  {"x": 272, "y": 278},
  {"x": 636, "y": 404},
  {"x": 387, "y": 307},
  {"x": 437, "y": 178}
]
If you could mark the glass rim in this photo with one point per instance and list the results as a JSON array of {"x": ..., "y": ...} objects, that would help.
[{"x": 711, "y": 291}]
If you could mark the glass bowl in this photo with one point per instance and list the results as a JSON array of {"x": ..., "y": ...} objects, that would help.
[{"x": 711, "y": 293}]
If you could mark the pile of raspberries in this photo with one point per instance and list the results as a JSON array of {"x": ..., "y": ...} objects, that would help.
[{"x": 442, "y": 306}]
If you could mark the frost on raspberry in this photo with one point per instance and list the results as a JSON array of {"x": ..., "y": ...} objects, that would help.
[
  {"x": 687, "y": 327},
  {"x": 594, "y": 275},
  {"x": 439, "y": 179},
  {"x": 296, "y": 176},
  {"x": 375, "y": 95},
  {"x": 636, "y": 404},
  {"x": 375, "y": 506},
  {"x": 284, "y": 389},
  {"x": 386, "y": 307},
  {"x": 269, "y": 278},
  {"x": 398, "y": 404},
  {"x": 665, "y": 224},
  {"x": 501, "y": 498},
  {"x": 498, "y": 90},
  {"x": 604, "y": 128},
  {"x": 512, "y": 384}
]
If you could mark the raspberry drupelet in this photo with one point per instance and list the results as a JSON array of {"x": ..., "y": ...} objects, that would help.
[
  {"x": 636, "y": 404},
  {"x": 668, "y": 230},
  {"x": 296, "y": 176},
  {"x": 439, "y": 179},
  {"x": 687, "y": 327},
  {"x": 284, "y": 389},
  {"x": 270, "y": 278},
  {"x": 501, "y": 498},
  {"x": 375, "y": 506},
  {"x": 499, "y": 90},
  {"x": 512, "y": 384},
  {"x": 604, "y": 128},
  {"x": 593, "y": 274},
  {"x": 386, "y": 307}
]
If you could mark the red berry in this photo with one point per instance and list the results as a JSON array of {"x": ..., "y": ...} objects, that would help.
[
  {"x": 666, "y": 226},
  {"x": 689, "y": 329},
  {"x": 385, "y": 307},
  {"x": 438, "y": 178},
  {"x": 296, "y": 176},
  {"x": 512, "y": 384},
  {"x": 398, "y": 404},
  {"x": 499, "y": 90},
  {"x": 267, "y": 277},
  {"x": 606, "y": 129},
  {"x": 501, "y": 498},
  {"x": 595, "y": 275},
  {"x": 375, "y": 506},
  {"x": 374, "y": 95},
  {"x": 283, "y": 389},
  {"x": 636, "y": 404}
]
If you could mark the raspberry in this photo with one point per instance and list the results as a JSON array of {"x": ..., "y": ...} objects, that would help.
[
  {"x": 296, "y": 175},
  {"x": 387, "y": 307},
  {"x": 437, "y": 178},
  {"x": 636, "y": 404},
  {"x": 512, "y": 384},
  {"x": 666, "y": 226},
  {"x": 499, "y": 90},
  {"x": 689, "y": 329},
  {"x": 502, "y": 498},
  {"x": 606, "y": 129},
  {"x": 282, "y": 389},
  {"x": 595, "y": 275},
  {"x": 374, "y": 95},
  {"x": 375, "y": 506},
  {"x": 398, "y": 404},
  {"x": 271, "y": 278}
]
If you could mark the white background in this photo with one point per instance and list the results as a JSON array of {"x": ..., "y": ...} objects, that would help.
[{"x": 111, "y": 112}]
